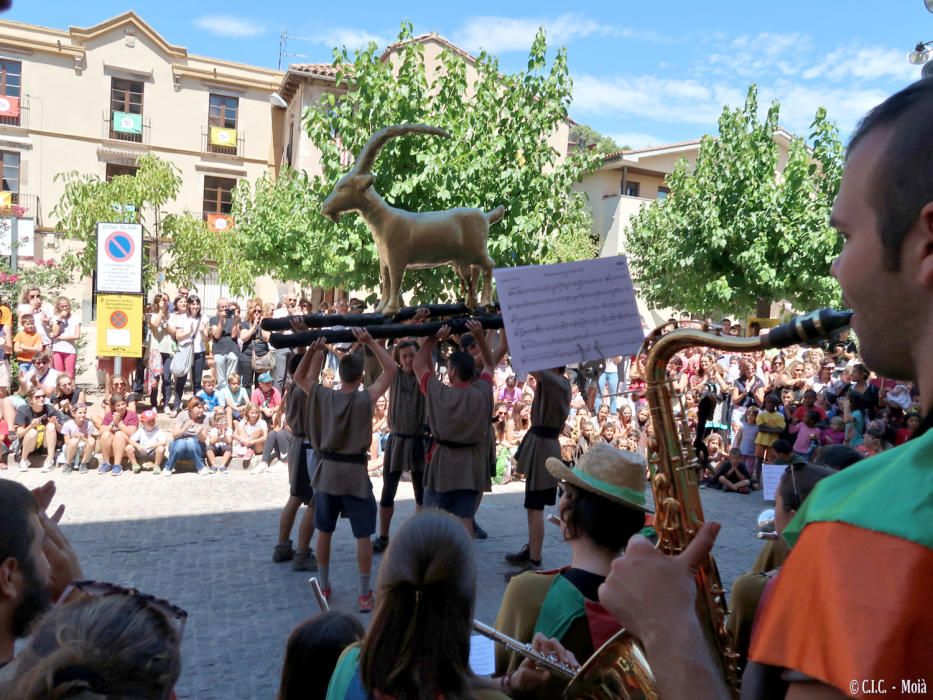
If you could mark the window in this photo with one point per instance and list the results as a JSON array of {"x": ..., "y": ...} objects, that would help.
[
  {"x": 663, "y": 192},
  {"x": 10, "y": 171},
  {"x": 631, "y": 189},
  {"x": 218, "y": 195},
  {"x": 289, "y": 150},
  {"x": 113, "y": 169},
  {"x": 126, "y": 109},
  {"x": 221, "y": 124},
  {"x": 11, "y": 75}
]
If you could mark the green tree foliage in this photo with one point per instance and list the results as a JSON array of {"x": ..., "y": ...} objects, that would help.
[
  {"x": 183, "y": 241},
  {"x": 585, "y": 136},
  {"x": 733, "y": 234},
  {"x": 497, "y": 154}
]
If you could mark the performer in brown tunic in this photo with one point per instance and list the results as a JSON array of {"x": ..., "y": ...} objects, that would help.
[
  {"x": 299, "y": 480},
  {"x": 458, "y": 416},
  {"x": 549, "y": 411},
  {"x": 339, "y": 427},
  {"x": 405, "y": 448}
]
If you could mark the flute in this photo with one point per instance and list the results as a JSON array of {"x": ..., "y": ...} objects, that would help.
[
  {"x": 557, "y": 667},
  {"x": 318, "y": 594}
]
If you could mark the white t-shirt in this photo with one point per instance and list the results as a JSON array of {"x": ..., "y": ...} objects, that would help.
[
  {"x": 149, "y": 438},
  {"x": 184, "y": 324},
  {"x": 70, "y": 329},
  {"x": 199, "y": 325},
  {"x": 49, "y": 381},
  {"x": 71, "y": 428},
  {"x": 45, "y": 312}
]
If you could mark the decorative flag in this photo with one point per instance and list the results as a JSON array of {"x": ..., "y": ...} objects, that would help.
[
  {"x": 219, "y": 223},
  {"x": 6, "y": 199},
  {"x": 126, "y": 123},
  {"x": 223, "y": 137},
  {"x": 9, "y": 106}
]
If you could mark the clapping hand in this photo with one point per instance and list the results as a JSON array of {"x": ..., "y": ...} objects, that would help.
[{"x": 64, "y": 566}]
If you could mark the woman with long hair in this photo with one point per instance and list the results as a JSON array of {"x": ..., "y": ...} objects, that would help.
[
  {"x": 160, "y": 353},
  {"x": 64, "y": 331},
  {"x": 200, "y": 350},
  {"x": 250, "y": 333},
  {"x": 418, "y": 645},
  {"x": 312, "y": 652}
]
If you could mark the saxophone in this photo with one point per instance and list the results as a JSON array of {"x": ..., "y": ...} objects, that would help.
[{"x": 619, "y": 669}]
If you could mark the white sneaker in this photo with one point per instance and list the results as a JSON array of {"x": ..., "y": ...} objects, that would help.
[
  {"x": 47, "y": 466},
  {"x": 166, "y": 472},
  {"x": 24, "y": 465},
  {"x": 260, "y": 468}
]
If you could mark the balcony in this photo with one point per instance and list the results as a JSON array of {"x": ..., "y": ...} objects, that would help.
[
  {"x": 21, "y": 205},
  {"x": 128, "y": 128},
  {"x": 14, "y": 112},
  {"x": 224, "y": 142}
]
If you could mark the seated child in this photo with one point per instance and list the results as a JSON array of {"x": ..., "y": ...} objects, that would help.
[
  {"x": 219, "y": 443},
  {"x": 80, "y": 437},
  {"x": 148, "y": 444}
]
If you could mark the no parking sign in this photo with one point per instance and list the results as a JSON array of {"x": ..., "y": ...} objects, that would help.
[
  {"x": 119, "y": 325},
  {"x": 120, "y": 258}
]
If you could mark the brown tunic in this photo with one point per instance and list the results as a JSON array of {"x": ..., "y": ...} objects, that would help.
[
  {"x": 296, "y": 416},
  {"x": 459, "y": 415},
  {"x": 340, "y": 422},
  {"x": 550, "y": 409},
  {"x": 405, "y": 447}
]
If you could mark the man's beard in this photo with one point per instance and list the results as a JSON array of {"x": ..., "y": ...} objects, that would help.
[{"x": 35, "y": 601}]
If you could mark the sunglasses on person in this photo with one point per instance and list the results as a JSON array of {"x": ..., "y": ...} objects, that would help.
[
  {"x": 99, "y": 589},
  {"x": 40, "y": 362},
  {"x": 35, "y": 296}
]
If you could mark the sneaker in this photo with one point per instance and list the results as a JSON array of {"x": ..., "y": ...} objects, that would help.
[
  {"x": 117, "y": 470},
  {"x": 222, "y": 470},
  {"x": 529, "y": 565},
  {"x": 137, "y": 468},
  {"x": 365, "y": 602},
  {"x": 283, "y": 552},
  {"x": 82, "y": 468},
  {"x": 104, "y": 468},
  {"x": 24, "y": 465},
  {"x": 156, "y": 469},
  {"x": 259, "y": 468},
  {"x": 304, "y": 561},
  {"x": 67, "y": 469},
  {"x": 212, "y": 469},
  {"x": 47, "y": 466},
  {"x": 166, "y": 472},
  {"x": 520, "y": 557},
  {"x": 380, "y": 544},
  {"x": 478, "y": 532},
  {"x": 149, "y": 466},
  {"x": 205, "y": 472}
]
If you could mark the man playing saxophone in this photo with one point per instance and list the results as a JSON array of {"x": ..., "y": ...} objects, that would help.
[{"x": 851, "y": 613}]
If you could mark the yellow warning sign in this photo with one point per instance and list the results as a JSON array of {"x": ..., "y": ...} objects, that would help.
[{"x": 119, "y": 325}]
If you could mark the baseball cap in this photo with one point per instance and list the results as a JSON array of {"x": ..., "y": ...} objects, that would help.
[
  {"x": 265, "y": 378},
  {"x": 149, "y": 415}
]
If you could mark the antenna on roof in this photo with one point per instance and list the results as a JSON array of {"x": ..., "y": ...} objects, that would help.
[{"x": 283, "y": 45}]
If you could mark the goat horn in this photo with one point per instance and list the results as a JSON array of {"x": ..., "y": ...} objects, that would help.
[{"x": 364, "y": 161}]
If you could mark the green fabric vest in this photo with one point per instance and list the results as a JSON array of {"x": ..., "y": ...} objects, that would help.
[
  {"x": 346, "y": 668},
  {"x": 891, "y": 493},
  {"x": 562, "y": 605}
]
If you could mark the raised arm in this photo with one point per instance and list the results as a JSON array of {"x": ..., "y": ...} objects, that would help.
[
  {"x": 476, "y": 328},
  {"x": 389, "y": 368},
  {"x": 501, "y": 350},
  {"x": 309, "y": 369},
  {"x": 424, "y": 361}
]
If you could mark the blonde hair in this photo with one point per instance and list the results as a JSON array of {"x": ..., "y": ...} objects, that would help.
[{"x": 110, "y": 646}]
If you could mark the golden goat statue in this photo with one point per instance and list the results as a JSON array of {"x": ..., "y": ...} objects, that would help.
[{"x": 405, "y": 239}]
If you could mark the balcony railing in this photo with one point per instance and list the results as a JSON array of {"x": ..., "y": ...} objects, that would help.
[
  {"x": 226, "y": 142},
  {"x": 14, "y": 111},
  {"x": 21, "y": 205},
  {"x": 120, "y": 126}
]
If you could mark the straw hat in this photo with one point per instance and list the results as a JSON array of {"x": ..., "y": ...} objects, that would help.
[{"x": 614, "y": 474}]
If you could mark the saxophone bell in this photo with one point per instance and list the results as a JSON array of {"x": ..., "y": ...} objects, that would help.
[{"x": 766, "y": 525}]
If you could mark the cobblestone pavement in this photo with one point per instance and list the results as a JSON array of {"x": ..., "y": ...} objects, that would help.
[{"x": 206, "y": 544}]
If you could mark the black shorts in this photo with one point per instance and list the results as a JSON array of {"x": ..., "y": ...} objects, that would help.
[
  {"x": 459, "y": 502},
  {"x": 390, "y": 487},
  {"x": 219, "y": 449},
  {"x": 536, "y": 500},
  {"x": 299, "y": 481},
  {"x": 361, "y": 511}
]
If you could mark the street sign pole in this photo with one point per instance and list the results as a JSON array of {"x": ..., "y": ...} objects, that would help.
[{"x": 14, "y": 243}]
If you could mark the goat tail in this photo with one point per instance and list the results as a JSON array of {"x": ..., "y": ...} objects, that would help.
[{"x": 495, "y": 215}]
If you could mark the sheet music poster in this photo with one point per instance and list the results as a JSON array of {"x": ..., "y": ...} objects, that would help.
[{"x": 569, "y": 312}]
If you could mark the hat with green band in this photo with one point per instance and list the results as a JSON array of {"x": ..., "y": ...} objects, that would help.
[{"x": 617, "y": 475}]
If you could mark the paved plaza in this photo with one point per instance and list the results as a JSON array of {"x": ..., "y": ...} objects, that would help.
[{"x": 205, "y": 543}]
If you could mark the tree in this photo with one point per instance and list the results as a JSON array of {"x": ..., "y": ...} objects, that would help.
[
  {"x": 734, "y": 234},
  {"x": 497, "y": 154},
  {"x": 183, "y": 243},
  {"x": 585, "y": 136}
]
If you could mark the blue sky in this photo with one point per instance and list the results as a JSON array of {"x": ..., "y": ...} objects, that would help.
[{"x": 645, "y": 73}]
